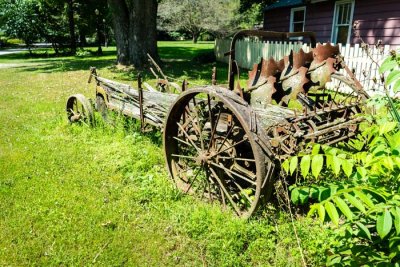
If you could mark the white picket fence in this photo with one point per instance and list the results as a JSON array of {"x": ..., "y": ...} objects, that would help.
[{"x": 249, "y": 52}]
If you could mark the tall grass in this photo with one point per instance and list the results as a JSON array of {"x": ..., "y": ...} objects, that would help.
[{"x": 74, "y": 195}]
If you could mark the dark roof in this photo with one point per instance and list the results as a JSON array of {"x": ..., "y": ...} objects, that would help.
[{"x": 284, "y": 3}]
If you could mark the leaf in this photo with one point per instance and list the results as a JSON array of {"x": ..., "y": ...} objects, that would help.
[
  {"x": 394, "y": 241},
  {"x": 321, "y": 213},
  {"x": 387, "y": 127},
  {"x": 362, "y": 172},
  {"x": 314, "y": 192},
  {"x": 336, "y": 162},
  {"x": 396, "y": 213},
  {"x": 315, "y": 150},
  {"x": 285, "y": 166},
  {"x": 393, "y": 76},
  {"x": 332, "y": 212},
  {"x": 313, "y": 209},
  {"x": 364, "y": 198},
  {"x": 316, "y": 165},
  {"x": 384, "y": 224},
  {"x": 293, "y": 164},
  {"x": 355, "y": 202},
  {"x": 396, "y": 86},
  {"x": 341, "y": 204},
  {"x": 388, "y": 64},
  {"x": 388, "y": 163},
  {"x": 364, "y": 230},
  {"x": 303, "y": 195},
  {"x": 333, "y": 260},
  {"x": 305, "y": 165},
  {"x": 294, "y": 195},
  {"x": 347, "y": 167},
  {"x": 323, "y": 194}
]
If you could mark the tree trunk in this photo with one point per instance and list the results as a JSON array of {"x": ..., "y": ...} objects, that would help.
[
  {"x": 120, "y": 14},
  {"x": 71, "y": 23},
  {"x": 135, "y": 30},
  {"x": 195, "y": 36},
  {"x": 82, "y": 38}
]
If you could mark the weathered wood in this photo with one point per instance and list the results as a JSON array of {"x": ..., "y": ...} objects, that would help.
[
  {"x": 273, "y": 115},
  {"x": 125, "y": 99}
]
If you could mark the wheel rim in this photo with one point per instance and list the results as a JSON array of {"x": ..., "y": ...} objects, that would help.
[
  {"x": 211, "y": 152},
  {"x": 79, "y": 110}
]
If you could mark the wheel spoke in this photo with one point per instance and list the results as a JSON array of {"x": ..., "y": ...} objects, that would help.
[
  {"x": 226, "y": 137},
  {"x": 191, "y": 183},
  {"x": 225, "y": 191},
  {"x": 187, "y": 136},
  {"x": 243, "y": 192},
  {"x": 184, "y": 156},
  {"x": 223, "y": 198},
  {"x": 239, "y": 187},
  {"x": 238, "y": 159},
  {"x": 234, "y": 173},
  {"x": 196, "y": 126},
  {"x": 213, "y": 131},
  {"x": 230, "y": 147},
  {"x": 182, "y": 141},
  {"x": 200, "y": 128}
]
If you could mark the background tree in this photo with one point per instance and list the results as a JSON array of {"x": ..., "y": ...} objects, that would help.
[
  {"x": 59, "y": 22},
  {"x": 135, "y": 29},
  {"x": 92, "y": 16},
  {"x": 21, "y": 19},
  {"x": 70, "y": 10},
  {"x": 250, "y": 13},
  {"x": 198, "y": 16}
]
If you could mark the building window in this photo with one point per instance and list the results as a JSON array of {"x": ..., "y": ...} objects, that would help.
[
  {"x": 342, "y": 21},
  {"x": 297, "y": 19}
]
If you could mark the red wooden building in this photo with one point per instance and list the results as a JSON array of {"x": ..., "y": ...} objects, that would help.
[{"x": 333, "y": 20}]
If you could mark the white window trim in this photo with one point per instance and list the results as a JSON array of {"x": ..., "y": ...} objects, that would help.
[
  {"x": 292, "y": 17},
  {"x": 335, "y": 14}
]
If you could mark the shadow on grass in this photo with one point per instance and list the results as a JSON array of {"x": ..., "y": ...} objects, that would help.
[
  {"x": 178, "y": 62},
  {"x": 63, "y": 65}
]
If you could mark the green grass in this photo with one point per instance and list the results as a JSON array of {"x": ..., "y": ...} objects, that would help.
[{"x": 72, "y": 195}]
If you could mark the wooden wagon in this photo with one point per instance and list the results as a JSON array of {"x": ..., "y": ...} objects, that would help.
[{"x": 226, "y": 143}]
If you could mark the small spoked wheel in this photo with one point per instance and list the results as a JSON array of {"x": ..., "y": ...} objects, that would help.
[
  {"x": 79, "y": 109},
  {"x": 212, "y": 152}
]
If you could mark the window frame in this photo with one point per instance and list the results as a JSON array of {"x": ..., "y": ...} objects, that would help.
[
  {"x": 292, "y": 11},
  {"x": 335, "y": 20}
]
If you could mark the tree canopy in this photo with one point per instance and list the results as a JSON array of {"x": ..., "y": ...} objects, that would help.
[
  {"x": 198, "y": 16},
  {"x": 59, "y": 22}
]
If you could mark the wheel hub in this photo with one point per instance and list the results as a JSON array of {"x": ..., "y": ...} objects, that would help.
[{"x": 202, "y": 158}]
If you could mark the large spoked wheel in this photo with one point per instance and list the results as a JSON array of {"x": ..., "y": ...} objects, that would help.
[
  {"x": 79, "y": 109},
  {"x": 211, "y": 149}
]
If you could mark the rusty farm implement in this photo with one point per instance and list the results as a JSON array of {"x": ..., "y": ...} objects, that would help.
[{"x": 226, "y": 143}]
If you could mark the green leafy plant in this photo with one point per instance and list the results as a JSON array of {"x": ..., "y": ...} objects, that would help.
[
  {"x": 355, "y": 187},
  {"x": 391, "y": 67}
]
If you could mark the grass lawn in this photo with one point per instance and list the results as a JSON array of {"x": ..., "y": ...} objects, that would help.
[{"x": 72, "y": 195}]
